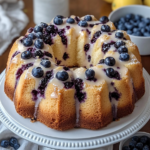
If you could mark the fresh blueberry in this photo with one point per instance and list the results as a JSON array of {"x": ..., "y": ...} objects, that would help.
[
  {"x": 132, "y": 144},
  {"x": 26, "y": 55},
  {"x": 135, "y": 148},
  {"x": 135, "y": 138},
  {"x": 146, "y": 20},
  {"x": 119, "y": 43},
  {"x": 90, "y": 73},
  {"x": 4, "y": 143},
  {"x": 122, "y": 49},
  {"x": 116, "y": 24},
  {"x": 51, "y": 29},
  {"x": 135, "y": 24},
  {"x": 39, "y": 43},
  {"x": 135, "y": 30},
  {"x": 58, "y": 21},
  {"x": 148, "y": 28},
  {"x": 43, "y": 25},
  {"x": 37, "y": 72},
  {"x": 39, "y": 35},
  {"x": 129, "y": 32},
  {"x": 124, "y": 56},
  {"x": 126, "y": 148},
  {"x": 146, "y": 147},
  {"x": 146, "y": 34},
  {"x": 38, "y": 29},
  {"x": 38, "y": 53},
  {"x": 143, "y": 30},
  {"x": 13, "y": 141},
  {"x": 121, "y": 27},
  {"x": 83, "y": 23},
  {"x": 16, "y": 146},
  {"x": 104, "y": 19},
  {"x": 144, "y": 139},
  {"x": 122, "y": 19},
  {"x": 139, "y": 146},
  {"x": 129, "y": 16},
  {"x": 137, "y": 33},
  {"x": 45, "y": 62},
  {"x": 70, "y": 20},
  {"x": 119, "y": 34},
  {"x": 142, "y": 24},
  {"x": 137, "y": 17},
  {"x": 101, "y": 61},
  {"x": 62, "y": 75},
  {"x": 32, "y": 36},
  {"x": 110, "y": 61},
  {"x": 105, "y": 28},
  {"x": 110, "y": 72},
  {"x": 88, "y": 18},
  {"x": 129, "y": 26},
  {"x": 27, "y": 42}
]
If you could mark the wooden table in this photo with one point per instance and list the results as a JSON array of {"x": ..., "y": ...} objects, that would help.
[{"x": 80, "y": 8}]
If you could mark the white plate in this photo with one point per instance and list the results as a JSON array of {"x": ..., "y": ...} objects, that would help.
[
  {"x": 84, "y": 143},
  {"x": 73, "y": 133}
]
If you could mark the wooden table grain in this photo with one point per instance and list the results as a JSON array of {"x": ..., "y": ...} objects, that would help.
[{"x": 77, "y": 7}]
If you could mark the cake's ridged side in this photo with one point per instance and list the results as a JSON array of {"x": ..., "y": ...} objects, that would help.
[
  {"x": 96, "y": 111},
  {"x": 58, "y": 113},
  {"x": 24, "y": 104}
]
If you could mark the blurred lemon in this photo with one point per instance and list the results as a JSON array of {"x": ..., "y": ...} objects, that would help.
[
  {"x": 109, "y": 1},
  {"x": 120, "y": 3},
  {"x": 147, "y": 2}
]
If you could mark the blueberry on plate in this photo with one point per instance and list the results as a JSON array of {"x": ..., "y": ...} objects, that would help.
[
  {"x": 147, "y": 28},
  {"x": 13, "y": 141},
  {"x": 129, "y": 16},
  {"x": 105, "y": 28},
  {"x": 129, "y": 32},
  {"x": 26, "y": 55},
  {"x": 146, "y": 20},
  {"x": 144, "y": 139},
  {"x": 126, "y": 148},
  {"x": 135, "y": 148},
  {"x": 58, "y": 20},
  {"x": 38, "y": 29},
  {"x": 119, "y": 43},
  {"x": 146, "y": 147},
  {"x": 135, "y": 138},
  {"x": 37, "y": 72},
  {"x": 139, "y": 146},
  {"x": 132, "y": 144},
  {"x": 62, "y": 75},
  {"x": 122, "y": 49},
  {"x": 124, "y": 56},
  {"x": 38, "y": 53},
  {"x": 16, "y": 146},
  {"x": 39, "y": 43},
  {"x": 121, "y": 27},
  {"x": 70, "y": 20},
  {"x": 45, "y": 62},
  {"x": 39, "y": 35},
  {"x": 90, "y": 73},
  {"x": 135, "y": 30},
  {"x": 137, "y": 17},
  {"x": 116, "y": 24},
  {"x": 104, "y": 19},
  {"x": 110, "y": 72},
  {"x": 110, "y": 61},
  {"x": 83, "y": 23},
  {"x": 143, "y": 30},
  {"x": 119, "y": 34},
  {"x": 27, "y": 42},
  {"x": 146, "y": 34},
  {"x": 88, "y": 18},
  {"x": 43, "y": 25},
  {"x": 32, "y": 35},
  {"x": 122, "y": 19},
  {"x": 4, "y": 143}
]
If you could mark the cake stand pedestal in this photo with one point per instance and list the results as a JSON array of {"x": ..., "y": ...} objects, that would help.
[{"x": 69, "y": 140}]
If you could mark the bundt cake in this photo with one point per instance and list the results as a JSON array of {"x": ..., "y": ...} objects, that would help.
[{"x": 74, "y": 72}]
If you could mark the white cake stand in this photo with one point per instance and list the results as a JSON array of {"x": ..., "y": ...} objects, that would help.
[{"x": 75, "y": 138}]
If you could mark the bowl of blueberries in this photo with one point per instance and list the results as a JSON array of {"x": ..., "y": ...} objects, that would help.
[
  {"x": 135, "y": 20},
  {"x": 139, "y": 141}
]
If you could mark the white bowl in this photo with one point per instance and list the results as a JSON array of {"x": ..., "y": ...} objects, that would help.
[
  {"x": 143, "y": 43},
  {"x": 126, "y": 141}
]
